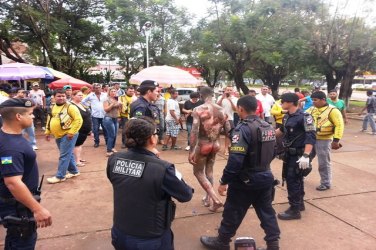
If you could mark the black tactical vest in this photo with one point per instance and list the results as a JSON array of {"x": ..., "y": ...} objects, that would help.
[
  {"x": 263, "y": 145},
  {"x": 139, "y": 207}
]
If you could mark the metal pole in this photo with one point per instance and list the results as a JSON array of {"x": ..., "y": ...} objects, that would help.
[
  {"x": 147, "y": 31},
  {"x": 147, "y": 49}
]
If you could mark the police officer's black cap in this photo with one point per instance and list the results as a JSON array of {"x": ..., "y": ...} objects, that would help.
[
  {"x": 148, "y": 84},
  {"x": 17, "y": 103},
  {"x": 289, "y": 97}
]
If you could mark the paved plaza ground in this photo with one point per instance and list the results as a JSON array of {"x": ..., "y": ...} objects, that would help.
[{"x": 340, "y": 218}]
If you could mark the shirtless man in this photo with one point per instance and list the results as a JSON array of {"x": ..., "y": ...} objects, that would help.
[{"x": 208, "y": 120}]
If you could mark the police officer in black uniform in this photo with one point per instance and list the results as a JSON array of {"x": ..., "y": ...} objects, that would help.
[
  {"x": 20, "y": 211},
  {"x": 143, "y": 186},
  {"x": 299, "y": 136},
  {"x": 144, "y": 106},
  {"x": 249, "y": 179}
]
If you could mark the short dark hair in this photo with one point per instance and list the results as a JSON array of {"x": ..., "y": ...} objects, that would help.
[
  {"x": 318, "y": 95},
  {"x": 369, "y": 92},
  {"x": 8, "y": 113},
  {"x": 138, "y": 131},
  {"x": 248, "y": 103},
  {"x": 173, "y": 91},
  {"x": 144, "y": 90},
  {"x": 297, "y": 90},
  {"x": 205, "y": 92},
  {"x": 333, "y": 90},
  {"x": 252, "y": 91},
  {"x": 194, "y": 95},
  {"x": 59, "y": 91}
]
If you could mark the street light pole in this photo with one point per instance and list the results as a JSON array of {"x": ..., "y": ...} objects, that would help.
[{"x": 147, "y": 30}]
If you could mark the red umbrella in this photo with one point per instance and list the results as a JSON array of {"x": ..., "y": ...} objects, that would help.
[{"x": 76, "y": 84}]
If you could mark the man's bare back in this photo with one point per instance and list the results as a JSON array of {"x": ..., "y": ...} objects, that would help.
[{"x": 208, "y": 120}]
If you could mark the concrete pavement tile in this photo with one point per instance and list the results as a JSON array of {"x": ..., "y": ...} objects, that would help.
[
  {"x": 362, "y": 160},
  {"x": 357, "y": 210},
  {"x": 80, "y": 204},
  {"x": 316, "y": 230},
  {"x": 83, "y": 241}
]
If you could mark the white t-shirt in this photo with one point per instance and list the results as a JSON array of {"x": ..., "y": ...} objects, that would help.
[
  {"x": 172, "y": 105},
  {"x": 37, "y": 96},
  {"x": 226, "y": 105},
  {"x": 267, "y": 102}
]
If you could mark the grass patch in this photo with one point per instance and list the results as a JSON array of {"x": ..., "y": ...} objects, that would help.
[{"x": 357, "y": 103}]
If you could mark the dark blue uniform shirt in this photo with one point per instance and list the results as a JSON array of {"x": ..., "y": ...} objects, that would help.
[
  {"x": 239, "y": 157},
  {"x": 17, "y": 158},
  {"x": 141, "y": 107},
  {"x": 299, "y": 127}
]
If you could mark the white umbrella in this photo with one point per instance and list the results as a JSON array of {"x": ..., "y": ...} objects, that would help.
[
  {"x": 166, "y": 76},
  {"x": 22, "y": 71}
]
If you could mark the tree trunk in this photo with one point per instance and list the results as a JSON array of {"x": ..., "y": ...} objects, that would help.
[
  {"x": 239, "y": 81},
  {"x": 346, "y": 90}
]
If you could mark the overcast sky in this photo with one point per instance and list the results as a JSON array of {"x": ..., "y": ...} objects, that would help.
[{"x": 349, "y": 7}]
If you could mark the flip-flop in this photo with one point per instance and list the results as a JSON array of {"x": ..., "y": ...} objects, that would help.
[
  {"x": 80, "y": 164},
  {"x": 83, "y": 161}
]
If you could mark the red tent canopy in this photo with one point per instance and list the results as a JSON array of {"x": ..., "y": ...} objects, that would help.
[{"x": 76, "y": 84}]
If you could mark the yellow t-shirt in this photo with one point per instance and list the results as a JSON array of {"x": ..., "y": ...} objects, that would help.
[
  {"x": 54, "y": 121},
  {"x": 328, "y": 121}
]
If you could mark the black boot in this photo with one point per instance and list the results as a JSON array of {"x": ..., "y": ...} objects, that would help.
[
  {"x": 214, "y": 243},
  {"x": 270, "y": 245},
  {"x": 290, "y": 214},
  {"x": 302, "y": 207}
]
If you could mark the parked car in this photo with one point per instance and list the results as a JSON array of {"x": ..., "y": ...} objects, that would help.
[{"x": 183, "y": 93}]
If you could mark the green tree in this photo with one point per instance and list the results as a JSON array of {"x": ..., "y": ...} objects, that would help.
[
  {"x": 127, "y": 19},
  {"x": 344, "y": 46},
  {"x": 62, "y": 33}
]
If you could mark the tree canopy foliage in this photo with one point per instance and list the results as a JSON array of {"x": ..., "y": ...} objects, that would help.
[{"x": 271, "y": 40}]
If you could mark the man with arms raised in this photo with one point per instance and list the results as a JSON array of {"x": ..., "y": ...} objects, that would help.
[{"x": 208, "y": 120}]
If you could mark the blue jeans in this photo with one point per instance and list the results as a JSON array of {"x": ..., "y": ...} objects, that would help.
[
  {"x": 369, "y": 118},
  {"x": 189, "y": 129},
  {"x": 122, "y": 241},
  {"x": 96, "y": 123},
  {"x": 123, "y": 121},
  {"x": 111, "y": 127},
  {"x": 30, "y": 131},
  {"x": 66, "y": 159}
]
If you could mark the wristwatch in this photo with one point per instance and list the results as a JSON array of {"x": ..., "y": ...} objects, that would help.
[{"x": 306, "y": 155}]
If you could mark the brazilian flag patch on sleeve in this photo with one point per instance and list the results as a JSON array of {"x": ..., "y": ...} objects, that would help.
[{"x": 6, "y": 160}]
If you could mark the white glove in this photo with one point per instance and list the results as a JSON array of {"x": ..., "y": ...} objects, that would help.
[{"x": 303, "y": 162}]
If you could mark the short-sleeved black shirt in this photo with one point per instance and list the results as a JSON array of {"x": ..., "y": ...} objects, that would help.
[
  {"x": 17, "y": 158},
  {"x": 189, "y": 105}
]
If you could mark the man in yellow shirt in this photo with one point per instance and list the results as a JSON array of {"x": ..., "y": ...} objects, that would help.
[
  {"x": 329, "y": 127},
  {"x": 64, "y": 123},
  {"x": 278, "y": 113},
  {"x": 126, "y": 101}
]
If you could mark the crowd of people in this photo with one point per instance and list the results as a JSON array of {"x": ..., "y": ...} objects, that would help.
[{"x": 306, "y": 126}]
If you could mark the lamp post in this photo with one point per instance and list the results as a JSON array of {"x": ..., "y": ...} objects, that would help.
[{"x": 147, "y": 30}]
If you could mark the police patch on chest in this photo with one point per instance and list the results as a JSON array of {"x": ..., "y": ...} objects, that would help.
[
  {"x": 235, "y": 139},
  {"x": 129, "y": 167}
]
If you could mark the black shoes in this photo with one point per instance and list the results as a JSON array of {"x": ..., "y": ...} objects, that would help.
[
  {"x": 272, "y": 245},
  {"x": 290, "y": 214},
  {"x": 322, "y": 188},
  {"x": 96, "y": 145},
  {"x": 214, "y": 243}
]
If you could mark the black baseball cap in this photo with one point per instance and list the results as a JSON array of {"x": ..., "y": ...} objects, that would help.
[
  {"x": 17, "y": 103},
  {"x": 148, "y": 84},
  {"x": 290, "y": 97}
]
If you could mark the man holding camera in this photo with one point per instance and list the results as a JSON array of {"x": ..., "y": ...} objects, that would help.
[{"x": 228, "y": 103}]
